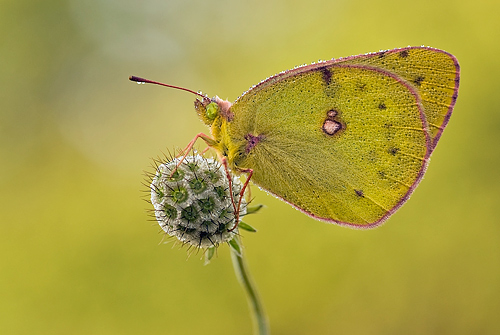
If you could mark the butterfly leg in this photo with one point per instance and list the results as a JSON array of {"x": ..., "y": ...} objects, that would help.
[
  {"x": 208, "y": 140},
  {"x": 242, "y": 192}
]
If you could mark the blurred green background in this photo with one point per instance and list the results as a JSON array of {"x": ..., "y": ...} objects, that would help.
[{"x": 78, "y": 254}]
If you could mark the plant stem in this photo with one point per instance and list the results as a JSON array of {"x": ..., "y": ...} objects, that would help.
[{"x": 261, "y": 325}]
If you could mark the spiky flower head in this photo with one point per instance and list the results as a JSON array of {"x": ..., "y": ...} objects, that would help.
[{"x": 193, "y": 202}]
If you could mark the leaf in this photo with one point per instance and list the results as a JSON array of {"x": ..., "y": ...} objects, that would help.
[
  {"x": 254, "y": 209},
  {"x": 209, "y": 254},
  {"x": 247, "y": 227},
  {"x": 235, "y": 245}
]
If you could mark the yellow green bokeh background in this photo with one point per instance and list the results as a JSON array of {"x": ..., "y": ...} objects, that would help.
[{"x": 77, "y": 252}]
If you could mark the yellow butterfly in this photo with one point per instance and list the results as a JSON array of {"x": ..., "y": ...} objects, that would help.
[{"x": 345, "y": 141}]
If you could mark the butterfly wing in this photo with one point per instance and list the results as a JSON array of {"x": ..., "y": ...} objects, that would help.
[
  {"x": 434, "y": 74},
  {"x": 342, "y": 143},
  {"x": 347, "y": 140}
]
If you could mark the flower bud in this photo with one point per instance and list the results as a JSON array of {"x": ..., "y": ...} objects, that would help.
[{"x": 193, "y": 203}]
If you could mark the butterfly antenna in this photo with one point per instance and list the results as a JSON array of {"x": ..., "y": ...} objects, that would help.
[{"x": 143, "y": 81}]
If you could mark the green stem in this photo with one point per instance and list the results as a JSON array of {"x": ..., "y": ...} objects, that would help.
[{"x": 240, "y": 268}]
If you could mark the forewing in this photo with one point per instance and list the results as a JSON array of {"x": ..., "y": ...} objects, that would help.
[{"x": 355, "y": 174}]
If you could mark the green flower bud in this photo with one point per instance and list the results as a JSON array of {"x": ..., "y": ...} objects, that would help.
[{"x": 193, "y": 204}]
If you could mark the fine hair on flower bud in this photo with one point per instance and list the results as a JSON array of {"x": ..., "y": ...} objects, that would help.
[{"x": 193, "y": 203}]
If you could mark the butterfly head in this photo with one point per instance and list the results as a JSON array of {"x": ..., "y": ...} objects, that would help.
[{"x": 210, "y": 109}]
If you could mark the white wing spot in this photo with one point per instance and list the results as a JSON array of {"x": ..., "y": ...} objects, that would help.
[
  {"x": 331, "y": 113},
  {"x": 330, "y": 127}
]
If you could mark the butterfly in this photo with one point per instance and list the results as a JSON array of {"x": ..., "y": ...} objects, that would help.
[{"x": 345, "y": 141}]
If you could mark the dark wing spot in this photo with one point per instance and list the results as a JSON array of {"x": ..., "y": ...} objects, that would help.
[
  {"x": 359, "y": 193},
  {"x": 403, "y": 54},
  {"x": 393, "y": 151},
  {"x": 327, "y": 75},
  {"x": 418, "y": 81},
  {"x": 382, "y": 106}
]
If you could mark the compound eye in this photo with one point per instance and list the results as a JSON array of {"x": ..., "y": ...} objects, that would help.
[{"x": 212, "y": 110}]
